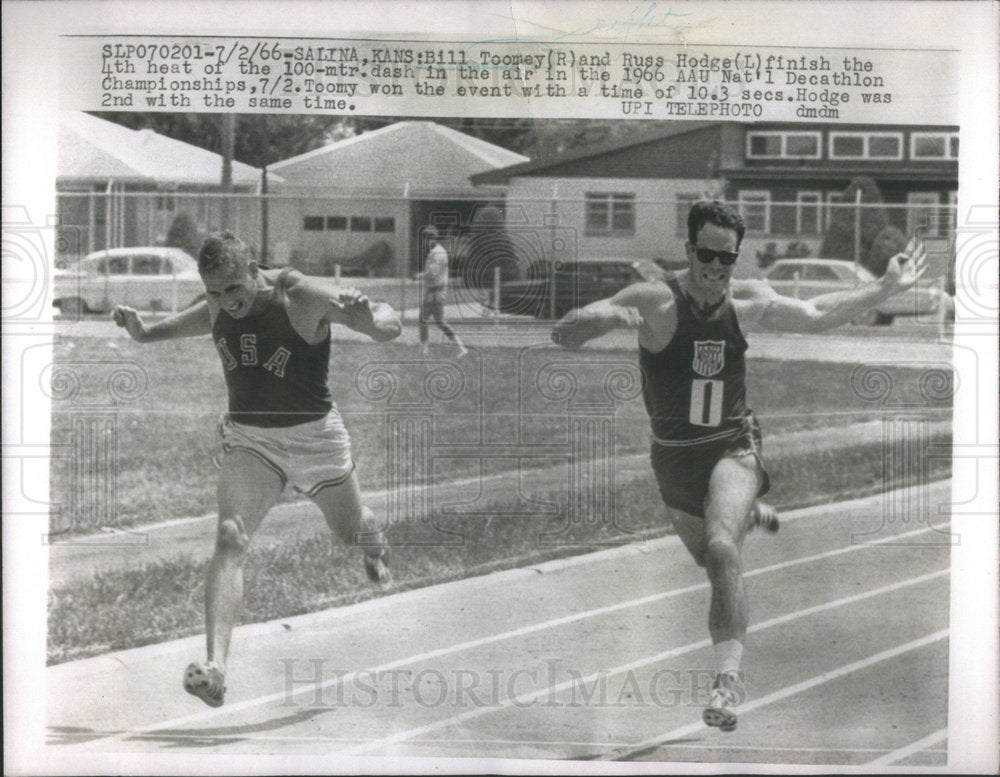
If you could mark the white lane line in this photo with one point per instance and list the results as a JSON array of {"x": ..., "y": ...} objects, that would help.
[
  {"x": 529, "y": 698},
  {"x": 915, "y": 747},
  {"x": 209, "y": 714},
  {"x": 556, "y": 744},
  {"x": 415, "y": 596},
  {"x": 784, "y": 693},
  {"x": 212, "y": 713},
  {"x": 105, "y": 538}
]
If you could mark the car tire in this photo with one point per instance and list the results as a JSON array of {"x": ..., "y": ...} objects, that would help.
[
  {"x": 72, "y": 306},
  {"x": 883, "y": 319}
]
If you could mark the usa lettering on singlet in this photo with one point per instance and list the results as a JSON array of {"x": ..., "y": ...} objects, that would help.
[
  {"x": 695, "y": 388},
  {"x": 273, "y": 376}
]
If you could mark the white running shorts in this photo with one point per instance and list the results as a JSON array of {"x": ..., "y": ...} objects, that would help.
[{"x": 308, "y": 457}]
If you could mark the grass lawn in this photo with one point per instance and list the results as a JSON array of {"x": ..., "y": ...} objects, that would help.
[
  {"x": 118, "y": 610},
  {"x": 163, "y": 426}
]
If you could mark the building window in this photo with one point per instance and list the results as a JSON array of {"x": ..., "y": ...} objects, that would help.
[
  {"x": 312, "y": 223},
  {"x": 783, "y": 145},
  {"x": 610, "y": 214},
  {"x": 684, "y": 203},
  {"x": 866, "y": 145},
  {"x": 923, "y": 213},
  {"x": 933, "y": 145},
  {"x": 833, "y": 200},
  {"x": 166, "y": 202},
  {"x": 885, "y": 147},
  {"x": 336, "y": 223},
  {"x": 808, "y": 212},
  {"x": 755, "y": 208},
  {"x": 361, "y": 224},
  {"x": 385, "y": 225}
]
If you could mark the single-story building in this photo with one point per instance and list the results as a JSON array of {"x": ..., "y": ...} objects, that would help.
[
  {"x": 630, "y": 198},
  {"x": 369, "y": 196},
  {"x": 122, "y": 187}
]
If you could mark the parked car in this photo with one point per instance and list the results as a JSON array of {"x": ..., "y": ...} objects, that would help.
[
  {"x": 147, "y": 278},
  {"x": 576, "y": 284},
  {"x": 808, "y": 278}
]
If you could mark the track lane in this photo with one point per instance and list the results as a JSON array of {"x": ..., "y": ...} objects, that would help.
[{"x": 263, "y": 721}]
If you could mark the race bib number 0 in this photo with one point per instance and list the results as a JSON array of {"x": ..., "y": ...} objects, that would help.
[{"x": 706, "y": 402}]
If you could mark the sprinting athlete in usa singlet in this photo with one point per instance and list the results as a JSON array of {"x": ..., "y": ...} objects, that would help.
[
  {"x": 271, "y": 330},
  {"x": 273, "y": 376},
  {"x": 695, "y": 394},
  {"x": 706, "y": 449}
]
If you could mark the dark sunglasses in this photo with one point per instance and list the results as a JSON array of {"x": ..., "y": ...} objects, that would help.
[{"x": 706, "y": 255}]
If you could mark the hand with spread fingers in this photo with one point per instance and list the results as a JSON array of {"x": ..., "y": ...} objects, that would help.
[
  {"x": 905, "y": 268},
  {"x": 630, "y": 317},
  {"x": 356, "y": 306}
]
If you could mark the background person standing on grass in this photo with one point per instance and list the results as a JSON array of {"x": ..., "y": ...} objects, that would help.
[
  {"x": 435, "y": 279},
  {"x": 706, "y": 448},
  {"x": 271, "y": 329}
]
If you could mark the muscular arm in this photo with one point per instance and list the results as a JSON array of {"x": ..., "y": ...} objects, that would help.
[
  {"x": 191, "y": 322},
  {"x": 354, "y": 310},
  {"x": 628, "y": 309},
  {"x": 831, "y": 310},
  {"x": 315, "y": 304}
]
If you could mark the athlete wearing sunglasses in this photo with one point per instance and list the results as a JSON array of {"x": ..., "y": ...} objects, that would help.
[
  {"x": 706, "y": 448},
  {"x": 707, "y": 256}
]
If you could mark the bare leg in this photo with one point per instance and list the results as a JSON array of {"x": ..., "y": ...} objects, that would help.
[
  {"x": 729, "y": 507},
  {"x": 425, "y": 315},
  {"x": 438, "y": 313},
  {"x": 248, "y": 488},
  {"x": 732, "y": 491},
  {"x": 355, "y": 524}
]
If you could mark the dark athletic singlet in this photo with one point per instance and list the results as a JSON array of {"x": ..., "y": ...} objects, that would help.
[
  {"x": 695, "y": 387},
  {"x": 274, "y": 377}
]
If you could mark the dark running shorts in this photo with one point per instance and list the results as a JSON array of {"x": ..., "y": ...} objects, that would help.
[{"x": 683, "y": 470}]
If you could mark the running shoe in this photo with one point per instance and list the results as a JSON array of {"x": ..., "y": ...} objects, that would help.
[
  {"x": 377, "y": 565},
  {"x": 719, "y": 712},
  {"x": 207, "y": 682},
  {"x": 765, "y": 517}
]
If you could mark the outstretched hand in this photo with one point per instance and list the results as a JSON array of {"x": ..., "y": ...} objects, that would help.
[
  {"x": 905, "y": 268},
  {"x": 629, "y": 317},
  {"x": 128, "y": 319},
  {"x": 356, "y": 307}
]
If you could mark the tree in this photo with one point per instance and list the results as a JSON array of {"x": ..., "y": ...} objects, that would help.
[
  {"x": 260, "y": 140},
  {"x": 887, "y": 243},
  {"x": 839, "y": 240},
  {"x": 184, "y": 234}
]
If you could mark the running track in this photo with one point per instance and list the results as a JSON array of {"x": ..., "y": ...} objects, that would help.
[{"x": 599, "y": 657}]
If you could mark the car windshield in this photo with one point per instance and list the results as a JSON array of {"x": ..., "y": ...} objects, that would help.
[
  {"x": 601, "y": 271},
  {"x": 146, "y": 265},
  {"x": 110, "y": 265},
  {"x": 819, "y": 272},
  {"x": 784, "y": 272}
]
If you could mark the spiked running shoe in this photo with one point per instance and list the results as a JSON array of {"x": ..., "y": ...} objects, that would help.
[
  {"x": 377, "y": 566},
  {"x": 765, "y": 517},
  {"x": 207, "y": 682},
  {"x": 719, "y": 712}
]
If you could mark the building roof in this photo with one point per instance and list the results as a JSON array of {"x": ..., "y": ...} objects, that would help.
[
  {"x": 686, "y": 149},
  {"x": 553, "y": 165},
  {"x": 922, "y": 172},
  {"x": 418, "y": 158},
  {"x": 92, "y": 150}
]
